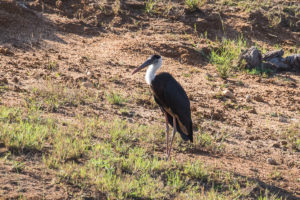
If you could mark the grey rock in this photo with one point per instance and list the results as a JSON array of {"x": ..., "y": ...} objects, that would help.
[
  {"x": 273, "y": 54},
  {"x": 252, "y": 56},
  {"x": 293, "y": 61}
]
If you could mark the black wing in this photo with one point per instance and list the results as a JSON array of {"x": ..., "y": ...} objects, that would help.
[
  {"x": 177, "y": 100},
  {"x": 170, "y": 95}
]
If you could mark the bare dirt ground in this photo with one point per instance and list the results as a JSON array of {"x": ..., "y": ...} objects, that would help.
[{"x": 80, "y": 45}]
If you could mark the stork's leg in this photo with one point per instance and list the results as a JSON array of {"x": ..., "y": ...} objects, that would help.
[
  {"x": 167, "y": 131},
  {"x": 174, "y": 131}
]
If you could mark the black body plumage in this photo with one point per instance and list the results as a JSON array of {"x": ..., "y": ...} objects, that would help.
[{"x": 172, "y": 99}]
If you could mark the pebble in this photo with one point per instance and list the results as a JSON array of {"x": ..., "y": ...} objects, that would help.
[
  {"x": 228, "y": 93},
  {"x": 258, "y": 98},
  {"x": 294, "y": 120},
  {"x": 88, "y": 84},
  {"x": 276, "y": 145},
  {"x": 252, "y": 111},
  {"x": 271, "y": 161},
  {"x": 248, "y": 98},
  {"x": 283, "y": 142},
  {"x": 6, "y": 51},
  {"x": 283, "y": 119},
  {"x": 15, "y": 79}
]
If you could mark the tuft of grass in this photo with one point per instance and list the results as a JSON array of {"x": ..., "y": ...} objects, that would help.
[
  {"x": 150, "y": 6},
  {"x": 54, "y": 96},
  {"x": 175, "y": 180},
  {"x": 115, "y": 98},
  {"x": 24, "y": 133},
  {"x": 225, "y": 56},
  {"x": 52, "y": 65},
  {"x": 194, "y": 4},
  {"x": 260, "y": 71},
  {"x": 291, "y": 134},
  {"x": 196, "y": 171},
  {"x": 187, "y": 75},
  {"x": 18, "y": 167},
  {"x": 116, "y": 7},
  {"x": 69, "y": 148},
  {"x": 209, "y": 142}
]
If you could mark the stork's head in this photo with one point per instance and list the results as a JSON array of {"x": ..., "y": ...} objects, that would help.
[{"x": 155, "y": 61}]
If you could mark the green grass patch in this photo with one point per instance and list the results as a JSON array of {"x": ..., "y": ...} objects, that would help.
[
  {"x": 115, "y": 99},
  {"x": 21, "y": 132},
  {"x": 260, "y": 71},
  {"x": 225, "y": 56},
  {"x": 115, "y": 158},
  {"x": 53, "y": 96},
  {"x": 292, "y": 135},
  {"x": 194, "y": 4},
  {"x": 150, "y": 6}
]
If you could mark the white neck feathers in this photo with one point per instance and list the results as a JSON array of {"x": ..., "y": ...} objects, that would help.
[{"x": 150, "y": 73}]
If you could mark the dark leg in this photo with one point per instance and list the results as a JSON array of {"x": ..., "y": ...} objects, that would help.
[
  {"x": 167, "y": 132},
  {"x": 174, "y": 131}
]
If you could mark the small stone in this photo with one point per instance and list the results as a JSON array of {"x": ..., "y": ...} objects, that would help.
[
  {"x": 294, "y": 120},
  {"x": 15, "y": 79},
  {"x": 88, "y": 84},
  {"x": 208, "y": 75},
  {"x": 252, "y": 138},
  {"x": 283, "y": 119},
  {"x": 6, "y": 51},
  {"x": 276, "y": 145},
  {"x": 258, "y": 98},
  {"x": 271, "y": 161},
  {"x": 283, "y": 142},
  {"x": 252, "y": 110},
  {"x": 249, "y": 124},
  {"x": 284, "y": 148},
  {"x": 248, "y": 98},
  {"x": 254, "y": 170},
  {"x": 58, "y": 4},
  {"x": 227, "y": 93}
]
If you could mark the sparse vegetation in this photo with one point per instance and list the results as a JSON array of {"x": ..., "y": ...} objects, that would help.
[
  {"x": 292, "y": 135},
  {"x": 117, "y": 162},
  {"x": 150, "y": 6},
  {"x": 225, "y": 56},
  {"x": 52, "y": 96},
  {"x": 115, "y": 98},
  {"x": 194, "y": 4},
  {"x": 259, "y": 71},
  {"x": 52, "y": 65},
  {"x": 75, "y": 124}
]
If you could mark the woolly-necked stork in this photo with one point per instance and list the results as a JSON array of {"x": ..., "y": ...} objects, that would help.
[{"x": 171, "y": 98}]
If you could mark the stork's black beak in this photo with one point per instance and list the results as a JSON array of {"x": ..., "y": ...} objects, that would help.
[{"x": 145, "y": 64}]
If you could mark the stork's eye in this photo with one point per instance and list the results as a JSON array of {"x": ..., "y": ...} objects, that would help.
[{"x": 156, "y": 56}]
